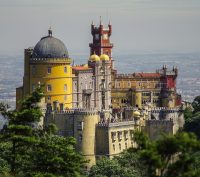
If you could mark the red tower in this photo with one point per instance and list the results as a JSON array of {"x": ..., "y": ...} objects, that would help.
[{"x": 101, "y": 40}]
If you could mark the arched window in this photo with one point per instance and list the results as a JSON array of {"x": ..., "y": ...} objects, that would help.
[
  {"x": 65, "y": 87},
  {"x": 120, "y": 147},
  {"x": 65, "y": 69}
]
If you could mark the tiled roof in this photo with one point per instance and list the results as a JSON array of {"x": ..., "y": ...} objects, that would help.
[
  {"x": 80, "y": 68},
  {"x": 147, "y": 75}
]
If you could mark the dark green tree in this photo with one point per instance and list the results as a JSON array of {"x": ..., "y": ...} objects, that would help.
[
  {"x": 172, "y": 156},
  {"x": 20, "y": 131},
  {"x": 108, "y": 168},
  {"x": 196, "y": 104},
  {"x": 193, "y": 124},
  {"x": 131, "y": 162},
  {"x": 33, "y": 151},
  {"x": 188, "y": 113},
  {"x": 55, "y": 155},
  {"x": 192, "y": 118}
]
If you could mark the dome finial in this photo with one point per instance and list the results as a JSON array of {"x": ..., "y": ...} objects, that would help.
[{"x": 50, "y": 31}]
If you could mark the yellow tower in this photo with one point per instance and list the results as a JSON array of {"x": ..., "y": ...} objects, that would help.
[
  {"x": 138, "y": 99},
  {"x": 85, "y": 132},
  {"x": 48, "y": 64}
]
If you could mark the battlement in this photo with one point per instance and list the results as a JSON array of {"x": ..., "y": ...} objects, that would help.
[
  {"x": 76, "y": 111},
  {"x": 124, "y": 76},
  {"x": 86, "y": 112},
  {"x": 29, "y": 49},
  {"x": 159, "y": 122},
  {"x": 70, "y": 111},
  {"x": 164, "y": 71},
  {"x": 50, "y": 60},
  {"x": 165, "y": 110},
  {"x": 115, "y": 124}
]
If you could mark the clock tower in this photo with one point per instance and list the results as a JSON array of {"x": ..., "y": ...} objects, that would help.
[{"x": 101, "y": 40}]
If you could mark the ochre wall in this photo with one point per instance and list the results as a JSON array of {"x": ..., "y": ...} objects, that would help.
[{"x": 57, "y": 79}]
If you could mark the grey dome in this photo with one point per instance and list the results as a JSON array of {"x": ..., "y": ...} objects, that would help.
[{"x": 50, "y": 47}]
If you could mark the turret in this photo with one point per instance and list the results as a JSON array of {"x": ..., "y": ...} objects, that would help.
[{"x": 101, "y": 40}]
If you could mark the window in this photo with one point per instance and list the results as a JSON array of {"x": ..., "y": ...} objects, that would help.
[
  {"x": 132, "y": 143},
  {"x": 126, "y": 146},
  {"x": 49, "y": 88},
  {"x": 113, "y": 136},
  {"x": 80, "y": 138},
  {"x": 33, "y": 87},
  {"x": 33, "y": 70},
  {"x": 49, "y": 70},
  {"x": 129, "y": 84},
  {"x": 120, "y": 136},
  {"x": 120, "y": 147},
  {"x": 132, "y": 134},
  {"x": 48, "y": 98},
  {"x": 61, "y": 107},
  {"x": 126, "y": 134},
  {"x": 113, "y": 147},
  {"x": 118, "y": 84},
  {"x": 65, "y": 97},
  {"x": 65, "y": 87},
  {"x": 80, "y": 125},
  {"x": 65, "y": 69}
]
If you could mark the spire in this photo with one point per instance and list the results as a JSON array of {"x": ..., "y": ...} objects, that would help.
[
  {"x": 50, "y": 31},
  {"x": 92, "y": 23},
  {"x": 100, "y": 21},
  {"x": 109, "y": 23}
]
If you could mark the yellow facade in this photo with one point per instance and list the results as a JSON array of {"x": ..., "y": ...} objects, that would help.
[
  {"x": 120, "y": 138},
  {"x": 56, "y": 77},
  {"x": 133, "y": 91}
]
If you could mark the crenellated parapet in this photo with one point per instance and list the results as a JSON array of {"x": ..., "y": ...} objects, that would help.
[
  {"x": 159, "y": 122},
  {"x": 115, "y": 124},
  {"x": 86, "y": 112},
  {"x": 165, "y": 110},
  {"x": 51, "y": 60},
  {"x": 124, "y": 76}
]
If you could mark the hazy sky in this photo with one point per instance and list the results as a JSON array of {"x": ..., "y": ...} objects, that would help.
[{"x": 138, "y": 25}]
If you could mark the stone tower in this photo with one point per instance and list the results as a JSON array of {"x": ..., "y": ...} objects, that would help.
[
  {"x": 102, "y": 80},
  {"x": 169, "y": 87}
]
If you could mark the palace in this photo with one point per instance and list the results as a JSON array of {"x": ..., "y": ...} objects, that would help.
[{"x": 93, "y": 103}]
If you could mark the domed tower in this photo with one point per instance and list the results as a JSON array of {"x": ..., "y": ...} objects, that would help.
[{"x": 48, "y": 63}]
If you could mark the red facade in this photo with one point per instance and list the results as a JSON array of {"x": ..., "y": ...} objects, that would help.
[
  {"x": 171, "y": 82},
  {"x": 101, "y": 40}
]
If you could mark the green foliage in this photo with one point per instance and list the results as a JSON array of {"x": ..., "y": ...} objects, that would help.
[
  {"x": 128, "y": 164},
  {"x": 27, "y": 150},
  {"x": 193, "y": 124},
  {"x": 192, "y": 118},
  {"x": 141, "y": 139},
  {"x": 108, "y": 168},
  {"x": 172, "y": 156},
  {"x": 196, "y": 104},
  {"x": 130, "y": 161},
  {"x": 188, "y": 113},
  {"x": 56, "y": 155}
]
